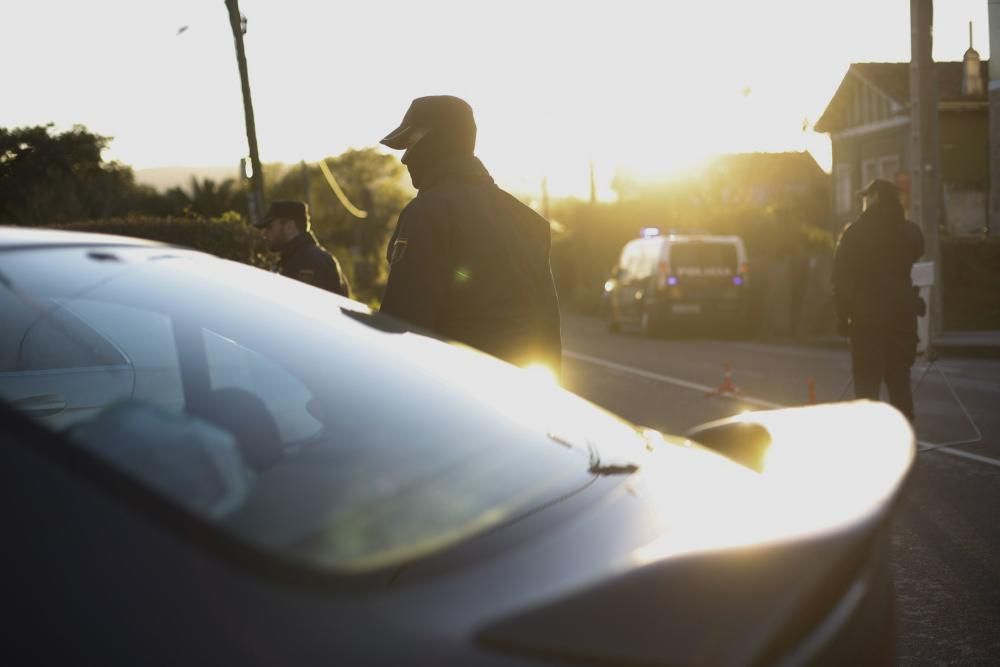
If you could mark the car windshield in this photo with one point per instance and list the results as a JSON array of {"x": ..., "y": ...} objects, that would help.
[{"x": 290, "y": 416}]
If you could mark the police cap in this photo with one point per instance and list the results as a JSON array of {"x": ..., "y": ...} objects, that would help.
[
  {"x": 886, "y": 190},
  {"x": 287, "y": 209},
  {"x": 443, "y": 113}
]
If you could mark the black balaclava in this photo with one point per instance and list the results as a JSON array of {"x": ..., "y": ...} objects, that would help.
[{"x": 435, "y": 131}]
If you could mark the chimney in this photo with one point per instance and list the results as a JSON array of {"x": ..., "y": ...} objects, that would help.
[{"x": 972, "y": 78}]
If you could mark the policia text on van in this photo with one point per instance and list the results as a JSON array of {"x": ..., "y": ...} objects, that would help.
[{"x": 662, "y": 279}]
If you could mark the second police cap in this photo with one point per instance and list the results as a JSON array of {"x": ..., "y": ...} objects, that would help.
[{"x": 285, "y": 209}]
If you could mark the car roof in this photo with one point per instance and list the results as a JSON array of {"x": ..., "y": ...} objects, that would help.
[{"x": 33, "y": 237}]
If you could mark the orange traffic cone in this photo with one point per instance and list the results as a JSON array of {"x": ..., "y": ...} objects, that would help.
[
  {"x": 727, "y": 386},
  {"x": 811, "y": 384}
]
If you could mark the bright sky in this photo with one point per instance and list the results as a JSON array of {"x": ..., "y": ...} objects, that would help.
[{"x": 649, "y": 86}]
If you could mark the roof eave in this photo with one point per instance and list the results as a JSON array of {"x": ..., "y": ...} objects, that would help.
[{"x": 825, "y": 126}]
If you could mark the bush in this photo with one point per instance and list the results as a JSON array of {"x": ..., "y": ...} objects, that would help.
[
  {"x": 970, "y": 272},
  {"x": 228, "y": 237}
]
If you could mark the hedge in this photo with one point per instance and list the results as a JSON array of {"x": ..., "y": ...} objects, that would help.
[
  {"x": 228, "y": 237},
  {"x": 970, "y": 268}
]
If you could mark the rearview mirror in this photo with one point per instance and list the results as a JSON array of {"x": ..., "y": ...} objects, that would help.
[{"x": 744, "y": 442}]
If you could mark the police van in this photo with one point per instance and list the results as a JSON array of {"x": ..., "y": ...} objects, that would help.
[{"x": 663, "y": 279}]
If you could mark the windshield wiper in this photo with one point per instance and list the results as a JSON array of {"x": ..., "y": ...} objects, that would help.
[
  {"x": 597, "y": 468},
  {"x": 626, "y": 469}
]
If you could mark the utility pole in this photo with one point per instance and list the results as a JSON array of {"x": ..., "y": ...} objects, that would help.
[
  {"x": 925, "y": 147},
  {"x": 239, "y": 26},
  {"x": 993, "y": 222},
  {"x": 593, "y": 185}
]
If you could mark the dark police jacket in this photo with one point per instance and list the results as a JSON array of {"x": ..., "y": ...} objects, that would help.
[
  {"x": 872, "y": 287},
  {"x": 470, "y": 263},
  {"x": 304, "y": 259}
]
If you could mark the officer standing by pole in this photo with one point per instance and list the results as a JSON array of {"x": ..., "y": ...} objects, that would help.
[
  {"x": 468, "y": 261},
  {"x": 877, "y": 307},
  {"x": 288, "y": 230}
]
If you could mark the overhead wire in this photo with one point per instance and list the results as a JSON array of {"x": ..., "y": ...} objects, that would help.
[{"x": 332, "y": 182}]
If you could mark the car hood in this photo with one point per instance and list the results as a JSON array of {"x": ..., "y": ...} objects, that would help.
[{"x": 695, "y": 544}]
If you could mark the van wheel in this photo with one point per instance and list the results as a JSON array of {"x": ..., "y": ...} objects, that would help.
[
  {"x": 650, "y": 325},
  {"x": 614, "y": 326}
]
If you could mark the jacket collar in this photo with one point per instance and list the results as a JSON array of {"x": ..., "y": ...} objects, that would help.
[
  {"x": 881, "y": 214},
  {"x": 458, "y": 169},
  {"x": 291, "y": 247}
]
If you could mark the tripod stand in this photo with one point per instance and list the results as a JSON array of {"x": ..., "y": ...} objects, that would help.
[{"x": 930, "y": 359}]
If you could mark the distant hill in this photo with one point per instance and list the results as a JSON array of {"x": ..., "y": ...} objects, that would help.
[{"x": 164, "y": 178}]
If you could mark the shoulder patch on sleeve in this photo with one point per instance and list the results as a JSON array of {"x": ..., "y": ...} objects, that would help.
[{"x": 398, "y": 250}]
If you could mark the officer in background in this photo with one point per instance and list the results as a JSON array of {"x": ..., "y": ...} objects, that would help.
[
  {"x": 876, "y": 304},
  {"x": 468, "y": 261},
  {"x": 288, "y": 231}
]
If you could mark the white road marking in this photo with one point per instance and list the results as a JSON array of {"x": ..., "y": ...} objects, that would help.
[
  {"x": 743, "y": 398},
  {"x": 750, "y": 400},
  {"x": 928, "y": 446}
]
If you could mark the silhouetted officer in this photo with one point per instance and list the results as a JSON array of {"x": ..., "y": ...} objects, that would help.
[
  {"x": 468, "y": 261},
  {"x": 876, "y": 304},
  {"x": 288, "y": 231}
]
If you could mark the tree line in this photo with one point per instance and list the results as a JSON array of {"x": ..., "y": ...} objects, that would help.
[
  {"x": 57, "y": 178},
  {"x": 51, "y": 178}
]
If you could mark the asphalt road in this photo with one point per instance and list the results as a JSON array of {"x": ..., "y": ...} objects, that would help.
[{"x": 946, "y": 538}]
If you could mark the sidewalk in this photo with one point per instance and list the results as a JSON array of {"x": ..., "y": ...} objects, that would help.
[
  {"x": 969, "y": 344},
  {"x": 953, "y": 344}
]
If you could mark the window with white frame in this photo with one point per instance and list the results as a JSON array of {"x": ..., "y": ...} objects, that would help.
[
  {"x": 869, "y": 172},
  {"x": 842, "y": 178},
  {"x": 888, "y": 167}
]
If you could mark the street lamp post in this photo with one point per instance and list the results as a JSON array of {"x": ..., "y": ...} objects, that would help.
[{"x": 238, "y": 24}]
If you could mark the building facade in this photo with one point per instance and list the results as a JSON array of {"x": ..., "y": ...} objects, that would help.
[{"x": 868, "y": 121}]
